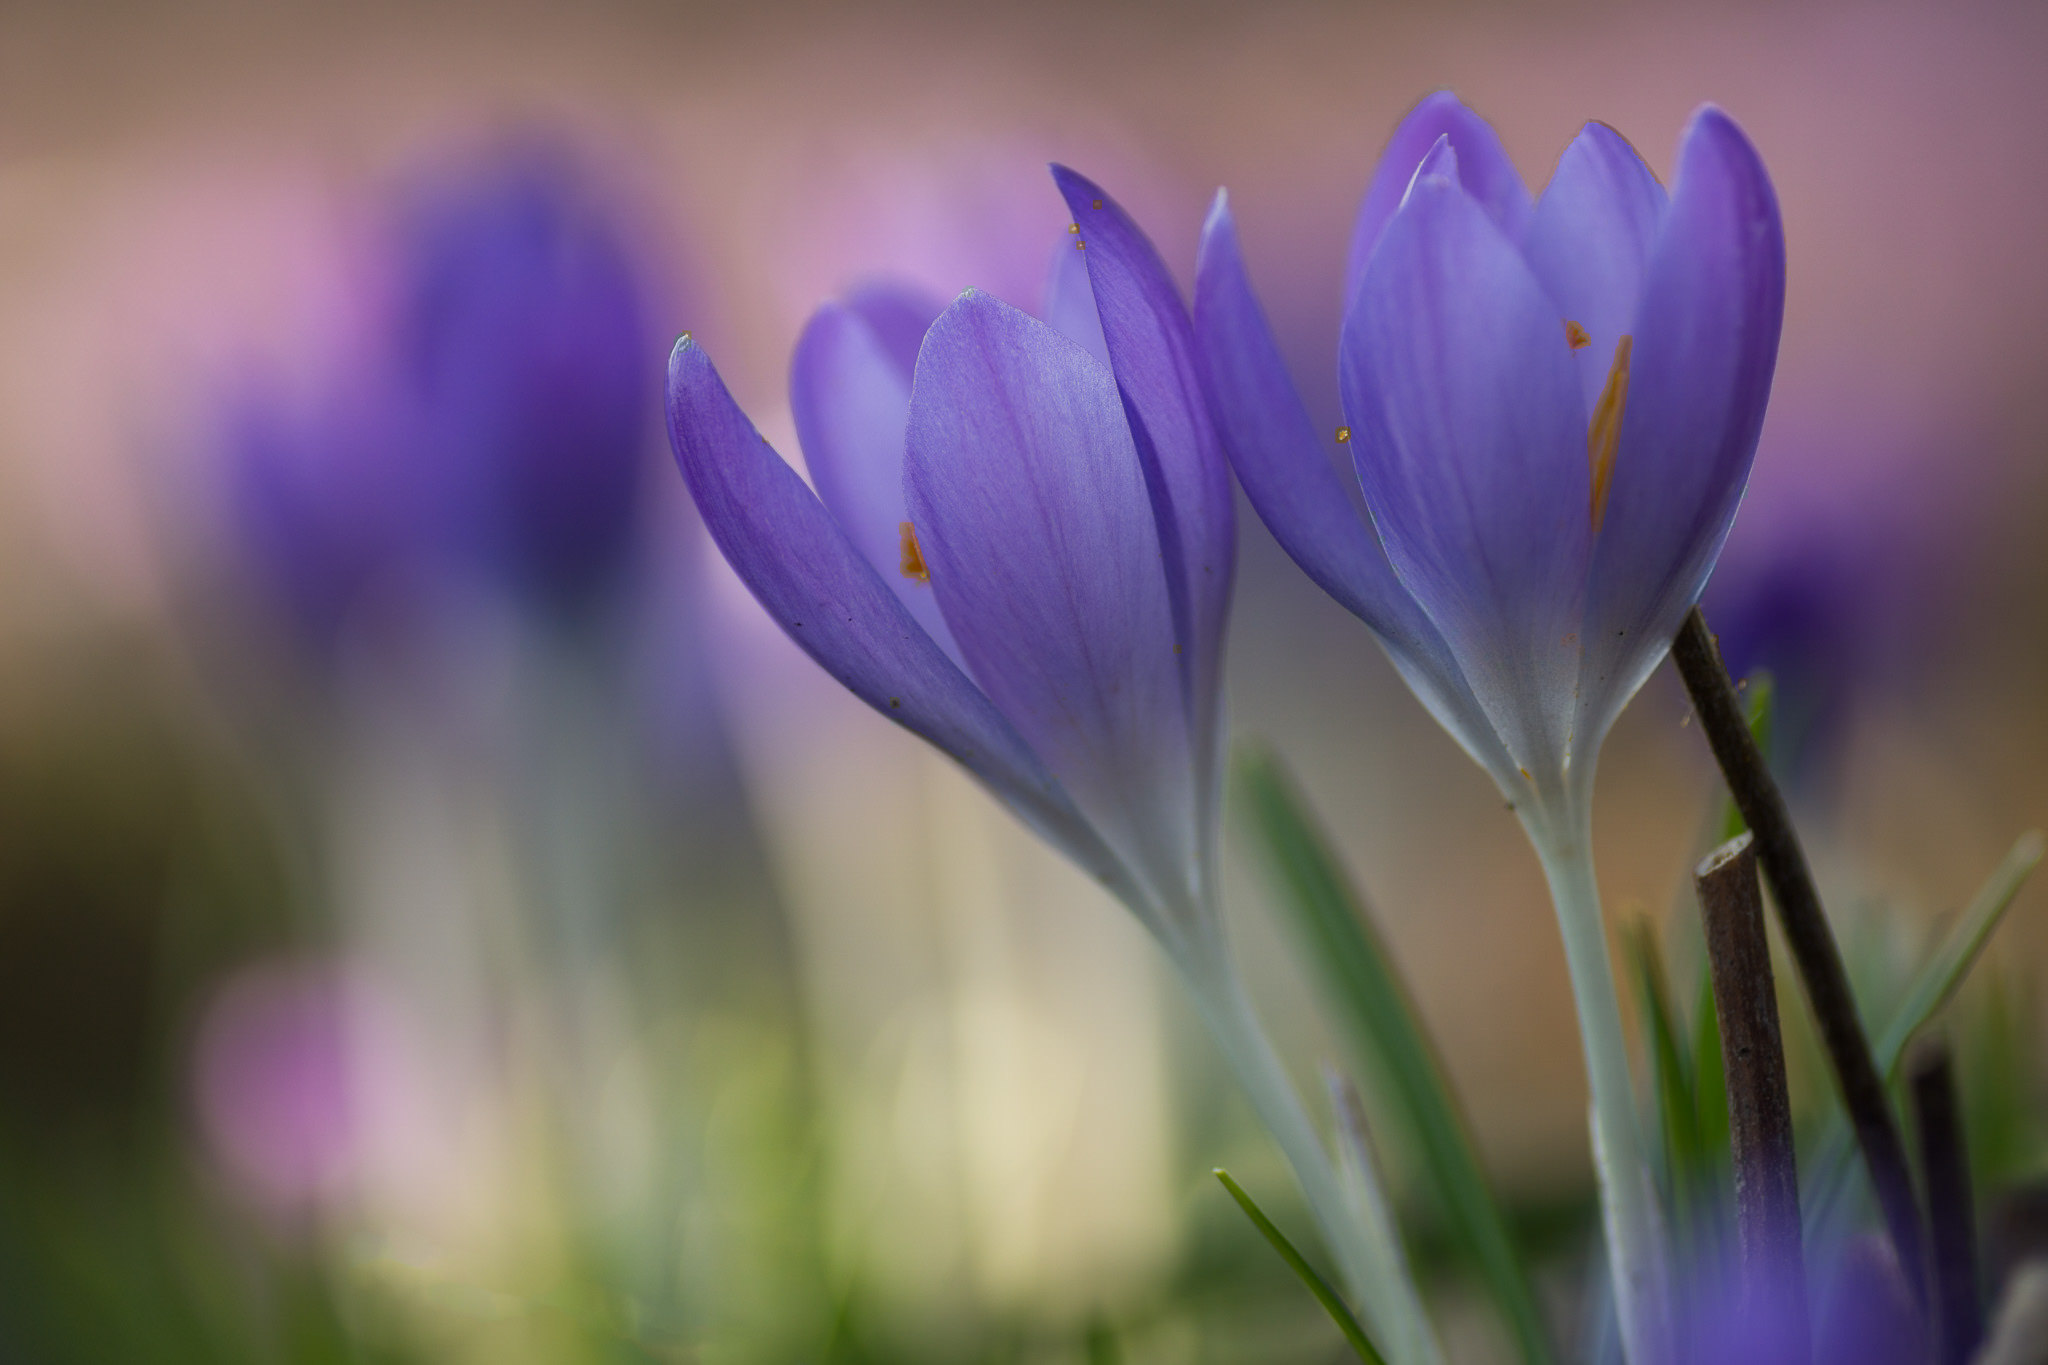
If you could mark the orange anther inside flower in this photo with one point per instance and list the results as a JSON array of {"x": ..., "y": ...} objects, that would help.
[
  {"x": 913, "y": 558},
  {"x": 1575, "y": 336},
  {"x": 1603, "y": 433}
]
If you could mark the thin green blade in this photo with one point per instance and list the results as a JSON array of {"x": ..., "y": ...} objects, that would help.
[
  {"x": 1373, "y": 1008},
  {"x": 1932, "y": 987},
  {"x": 1936, "y": 983},
  {"x": 1677, "y": 1110},
  {"x": 1761, "y": 691},
  {"x": 1346, "y": 1320}
]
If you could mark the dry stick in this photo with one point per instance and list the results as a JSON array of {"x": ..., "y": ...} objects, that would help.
[
  {"x": 1771, "y": 1265},
  {"x": 1944, "y": 1166},
  {"x": 1806, "y": 932}
]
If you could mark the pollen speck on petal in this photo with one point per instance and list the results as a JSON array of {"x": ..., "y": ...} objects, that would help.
[
  {"x": 1603, "y": 433},
  {"x": 1098, "y": 203},
  {"x": 913, "y": 566},
  {"x": 1074, "y": 227},
  {"x": 1575, "y": 336},
  {"x": 1343, "y": 435}
]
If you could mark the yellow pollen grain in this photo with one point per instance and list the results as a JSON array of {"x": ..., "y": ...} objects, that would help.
[
  {"x": 1080, "y": 246},
  {"x": 1603, "y": 433},
  {"x": 1343, "y": 435},
  {"x": 1575, "y": 336},
  {"x": 912, "y": 565},
  {"x": 1074, "y": 227}
]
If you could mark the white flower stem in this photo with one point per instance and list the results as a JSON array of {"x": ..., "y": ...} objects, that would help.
[
  {"x": 1627, "y": 1194},
  {"x": 1360, "y": 1232}
]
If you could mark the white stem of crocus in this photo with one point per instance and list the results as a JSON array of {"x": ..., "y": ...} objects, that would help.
[
  {"x": 1360, "y": 1231},
  {"x": 1627, "y": 1196}
]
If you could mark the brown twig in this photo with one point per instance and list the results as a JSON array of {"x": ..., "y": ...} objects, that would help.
[
  {"x": 1806, "y": 929},
  {"x": 1945, "y": 1169},
  {"x": 1771, "y": 1264}
]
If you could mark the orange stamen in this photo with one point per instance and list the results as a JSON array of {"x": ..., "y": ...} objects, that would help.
[
  {"x": 913, "y": 557},
  {"x": 1603, "y": 433}
]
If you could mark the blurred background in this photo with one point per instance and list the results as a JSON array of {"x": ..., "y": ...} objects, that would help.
[{"x": 442, "y": 919}]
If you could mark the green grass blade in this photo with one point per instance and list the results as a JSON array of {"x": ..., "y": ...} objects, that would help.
[
  {"x": 1932, "y": 987},
  {"x": 1761, "y": 692},
  {"x": 1936, "y": 983},
  {"x": 1346, "y": 1320},
  {"x": 1670, "y": 1065},
  {"x": 1374, "y": 1010}
]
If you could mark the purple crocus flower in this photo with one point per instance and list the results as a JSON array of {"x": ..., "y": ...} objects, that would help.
[
  {"x": 1021, "y": 548},
  {"x": 1553, "y": 406},
  {"x": 1015, "y": 551},
  {"x": 1552, "y": 409}
]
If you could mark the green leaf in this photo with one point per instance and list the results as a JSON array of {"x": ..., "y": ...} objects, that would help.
[
  {"x": 1761, "y": 690},
  {"x": 1932, "y": 987},
  {"x": 1374, "y": 1010},
  {"x": 1347, "y": 1322},
  {"x": 1936, "y": 983},
  {"x": 1101, "y": 1346},
  {"x": 1671, "y": 1067}
]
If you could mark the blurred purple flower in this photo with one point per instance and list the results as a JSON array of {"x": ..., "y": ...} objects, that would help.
[
  {"x": 1840, "y": 576},
  {"x": 524, "y": 336},
  {"x": 276, "y": 1098},
  {"x": 326, "y": 498},
  {"x": 1553, "y": 407},
  {"x": 1866, "y": 1311},
  {"x": 1025, "y": 556},
  {"x": 492, "y": 414}
]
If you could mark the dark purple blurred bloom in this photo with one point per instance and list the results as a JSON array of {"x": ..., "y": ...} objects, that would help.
[
  {"x": 1553, "y": 406},
  {"x": 1801, "y": 615},
  {"x": 1025, "y": 555},
  {"x": 524, "y": 332},
  {"x": 494, "y": 416},
  {"x": 1842, "y": 576}
]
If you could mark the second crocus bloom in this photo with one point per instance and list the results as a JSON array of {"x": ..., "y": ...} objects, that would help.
[{"x": 1551, "y": 408}]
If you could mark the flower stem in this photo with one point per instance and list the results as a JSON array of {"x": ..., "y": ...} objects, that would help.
[
  {"x": 1359, "y": 1232},
  {"x": 1813, "y": 946},
  {"x": 1634, "y": 1256}
]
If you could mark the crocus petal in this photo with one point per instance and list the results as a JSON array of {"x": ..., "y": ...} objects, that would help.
[
  {"x": 1036, "y": 523},
  {"x": 1070, "y": 299},
  {"x": 1589, "y": 242},
  {"x": 1469, "y": 437},
  {"x": 1706, "y": 343},
  {"x": 1484, "y": 169},
  {"x": 795, "y": 559},
  {"x": 1152, "y": 351},
  {"x": 898, "y": 314},
  {"x": 1280, "y": 460},
  {"x": 851, "y": 402}
]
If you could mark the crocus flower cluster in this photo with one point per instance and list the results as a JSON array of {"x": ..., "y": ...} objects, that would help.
[
  {"x": 1023, "y": 552},
  {"x": 491, "y": 419}
]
